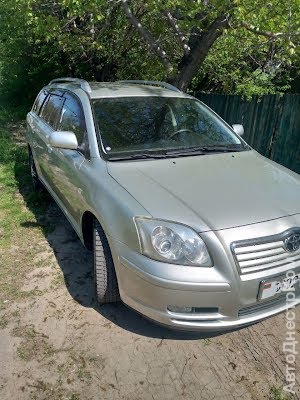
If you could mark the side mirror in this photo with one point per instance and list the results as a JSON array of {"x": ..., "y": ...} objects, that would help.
[
  {"x": 63, "y": 140},
  {"x": 238, "y": 129}
]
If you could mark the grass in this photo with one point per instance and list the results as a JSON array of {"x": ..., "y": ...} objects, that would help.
[
  {"x": 22, "y": 221},
  {"x": 15, "y": 185},
  {"x": 277, "y": 393},
  {"x": 74, "y": 397},
  {"x": 12, "y": 213},
  {"x": 3, "y": 322},
  {"x": 12, "y": 114},
  {"x": 34, "y": 344}
]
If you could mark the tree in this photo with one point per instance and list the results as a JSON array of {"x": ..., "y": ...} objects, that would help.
[
  {"x": 229, "y": 46},
  {"x": 197, "y": 25}
]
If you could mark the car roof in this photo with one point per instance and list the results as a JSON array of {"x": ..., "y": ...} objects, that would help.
[
  {"x": 97, "y": 90},
  {"x": 116, "y": 89}
]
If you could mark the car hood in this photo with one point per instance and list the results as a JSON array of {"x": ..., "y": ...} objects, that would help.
[{"x": 213, "y": 191}]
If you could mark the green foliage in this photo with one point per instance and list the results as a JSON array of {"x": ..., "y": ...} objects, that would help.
[
  {"x": 244, "y": 70},
  {"x": 277, "y": 393},
  {"x": 12, "y": 213},
  {"x": 94, "y": 39},
  {"x": 15, "y": 179}
]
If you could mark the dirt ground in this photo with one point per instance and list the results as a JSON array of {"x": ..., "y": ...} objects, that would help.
[{"x": 56, "y": 343}]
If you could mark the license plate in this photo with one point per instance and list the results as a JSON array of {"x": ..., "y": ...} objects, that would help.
[{"x": 272, "y": 288}]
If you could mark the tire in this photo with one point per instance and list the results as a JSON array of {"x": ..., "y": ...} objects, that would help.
[
  {"x": 37, "y": 186},
  {"x": 106, "y": 284}
]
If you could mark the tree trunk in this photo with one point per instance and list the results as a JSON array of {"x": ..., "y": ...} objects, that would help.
[
  {"x": 147, "y": 37},
  {"x": 190, "y": 64}
]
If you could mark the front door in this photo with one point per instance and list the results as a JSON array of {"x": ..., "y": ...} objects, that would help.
[{"x": 70, "y": 167}]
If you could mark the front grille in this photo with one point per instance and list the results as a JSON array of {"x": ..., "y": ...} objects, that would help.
[{"x": 265, "y": 253}]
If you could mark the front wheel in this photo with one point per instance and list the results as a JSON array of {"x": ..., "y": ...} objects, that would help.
[{"x": 106, "y": 284}]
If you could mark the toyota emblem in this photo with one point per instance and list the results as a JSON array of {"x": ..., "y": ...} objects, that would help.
[{"x": 292, "y": 242}]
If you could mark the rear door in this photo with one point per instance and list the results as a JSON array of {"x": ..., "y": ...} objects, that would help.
[
  {"x": 43, "y": 125},
  {"x": 35, "y": 137}
]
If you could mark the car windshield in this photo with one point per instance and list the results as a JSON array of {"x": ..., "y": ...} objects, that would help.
[{"x": 160, "y": 125}]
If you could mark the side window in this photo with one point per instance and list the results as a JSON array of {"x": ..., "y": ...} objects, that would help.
[
  {"x": 39, "y": 101},
  {"x": 72, "y": 119},
  {"x": 51, "y": 109}
]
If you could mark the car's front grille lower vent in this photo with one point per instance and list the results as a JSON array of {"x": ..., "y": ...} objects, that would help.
[
  {"x": 261, "y": 307},
  {"x": 267, "y": 252}
]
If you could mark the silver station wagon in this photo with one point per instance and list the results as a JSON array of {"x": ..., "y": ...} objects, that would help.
[{"x": 189, "y": 225}]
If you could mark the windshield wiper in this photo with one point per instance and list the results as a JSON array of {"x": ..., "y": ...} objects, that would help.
[
  {"x": 137, "y": 156},
  {"x": 199, "y": 150},
  {"x": 186, "y": 151},
  {"x": 205, "y": 149},
  {"x": 222, "y": 148}
]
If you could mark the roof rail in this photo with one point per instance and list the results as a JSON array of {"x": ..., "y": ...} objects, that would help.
[
  {"x": 154, "y": 83},
  {"x": 83, "y": 84}
]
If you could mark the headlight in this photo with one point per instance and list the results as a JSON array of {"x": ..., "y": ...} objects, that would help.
[{"x": 171, "y": 242}]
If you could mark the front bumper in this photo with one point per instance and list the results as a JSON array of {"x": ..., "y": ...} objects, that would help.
[{"x": 151, "y": 287}]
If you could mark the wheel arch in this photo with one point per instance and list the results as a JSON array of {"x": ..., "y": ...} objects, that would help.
[{"x": 87, "y": 222}]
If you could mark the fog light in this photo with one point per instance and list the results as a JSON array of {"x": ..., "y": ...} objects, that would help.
[{"x": 177, "y": 309}]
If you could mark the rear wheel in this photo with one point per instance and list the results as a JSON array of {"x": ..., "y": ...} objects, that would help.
[
  {"x": 36, "y": 183},
  {"x": 106, "y": 284}
]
